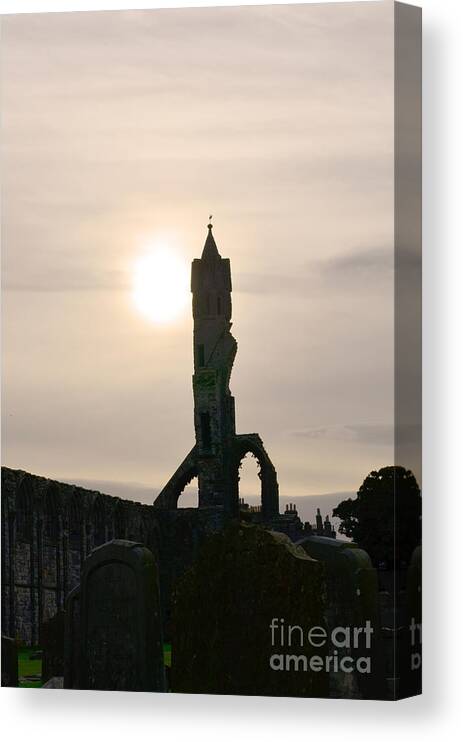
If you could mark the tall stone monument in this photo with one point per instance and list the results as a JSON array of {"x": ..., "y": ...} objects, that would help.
[{"x": 216, "y": 456}]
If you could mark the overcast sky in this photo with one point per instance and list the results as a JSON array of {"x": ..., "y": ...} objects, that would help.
[{"x": 121, "y": 129}]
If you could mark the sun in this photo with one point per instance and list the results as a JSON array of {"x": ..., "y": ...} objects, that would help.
[{"x": 160, "y": 284}]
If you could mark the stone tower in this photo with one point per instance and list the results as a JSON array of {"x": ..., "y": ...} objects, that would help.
[
  {"x": 218, "y": 451},
  {"x": 214, "y": 352}
]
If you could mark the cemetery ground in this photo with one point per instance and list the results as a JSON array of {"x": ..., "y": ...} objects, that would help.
[{"x": 30, "y": 665}]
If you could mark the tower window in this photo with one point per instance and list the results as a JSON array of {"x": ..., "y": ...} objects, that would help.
[
  {"x": 219, "y": 305},
  {"x": 201, "y": 358},
  {"x": 206, "y": 429}
]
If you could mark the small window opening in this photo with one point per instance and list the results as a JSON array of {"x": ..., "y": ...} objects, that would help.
[{"x": 206, "y": 429}]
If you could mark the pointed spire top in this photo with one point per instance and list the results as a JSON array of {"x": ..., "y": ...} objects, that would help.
[{"x": 210, "y": 248}]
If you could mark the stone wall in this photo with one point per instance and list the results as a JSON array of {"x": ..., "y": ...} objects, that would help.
[{"x": 48, "y": 528}]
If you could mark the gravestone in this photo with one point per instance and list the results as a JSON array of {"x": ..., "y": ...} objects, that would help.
[
  {"x": 120, "y": 646},
  {"x": 223, "y": 608},
  {"x": 9, "y": 663},
  {"x": 52, "y": 643},
  {"x": 352, "y": 599}
]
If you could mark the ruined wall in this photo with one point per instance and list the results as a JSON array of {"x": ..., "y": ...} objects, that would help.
[{"x": 48, "y": 528}]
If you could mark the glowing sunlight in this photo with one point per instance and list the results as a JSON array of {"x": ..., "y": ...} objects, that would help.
[{"x": 160, "y": 284}]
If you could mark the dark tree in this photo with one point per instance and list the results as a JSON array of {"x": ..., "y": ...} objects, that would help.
[{"x": 385, "y": 517}]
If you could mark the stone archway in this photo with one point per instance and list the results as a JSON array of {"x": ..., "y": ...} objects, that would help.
[
  {"x": 186, "y": 472},
  {"x": 249, "y": 483},
  {"x": 252, "y": 443}
]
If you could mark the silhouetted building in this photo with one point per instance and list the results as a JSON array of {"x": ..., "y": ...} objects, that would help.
[
  {"x": 322, "y": 528},
  {"x": 216, "y": 456}
]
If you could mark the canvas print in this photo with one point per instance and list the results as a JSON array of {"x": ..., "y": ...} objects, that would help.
[{"x": 211, "y": 420}]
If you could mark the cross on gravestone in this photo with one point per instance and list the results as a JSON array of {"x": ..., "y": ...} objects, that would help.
[{"x": 120, "y": 642}]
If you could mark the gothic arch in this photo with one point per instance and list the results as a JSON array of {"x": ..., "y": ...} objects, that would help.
[
  {"x": 248, "y": 458},
  {"x": 252, "y": 443},
  {"x": 186, "y": 472}
]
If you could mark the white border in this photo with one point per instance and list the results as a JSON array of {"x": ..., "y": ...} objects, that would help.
[
  {"x": 86, "y": 716},
  {"x": 54, "y": 6}
]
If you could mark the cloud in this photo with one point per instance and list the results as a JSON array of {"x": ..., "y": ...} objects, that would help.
[
  {"x": 67, "y": 279},
  {"x": 354, "y": 265},
  {"x": 125, "y": 490},
  {"x": 264, "y": 283},
  {"x": 379, "y": 434},
  {"x": 377, "y": 261}
]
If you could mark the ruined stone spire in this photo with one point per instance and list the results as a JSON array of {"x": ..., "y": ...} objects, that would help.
[
  {"x": 210, "y": 248},
  {"x": 216, "y": 455}
]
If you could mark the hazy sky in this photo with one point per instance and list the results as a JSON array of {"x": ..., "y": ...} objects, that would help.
[{"x": 121, "y": 130}]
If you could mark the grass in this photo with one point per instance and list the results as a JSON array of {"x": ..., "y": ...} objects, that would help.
[{"x": 29, "y": 670}]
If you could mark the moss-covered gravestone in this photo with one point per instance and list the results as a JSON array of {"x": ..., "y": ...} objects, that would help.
[
  {"x": 120, "y": 620},
  {"x": 231, "y": 615},
  {"x": 352, "y": 604}
]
